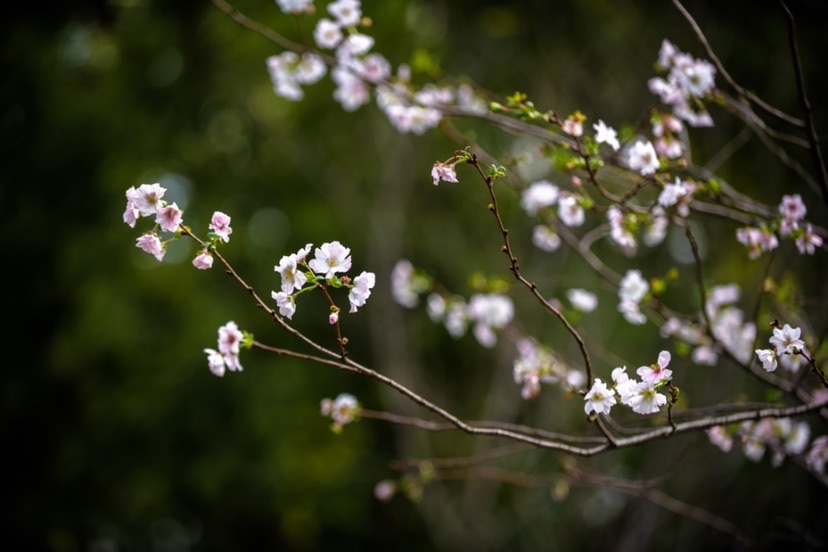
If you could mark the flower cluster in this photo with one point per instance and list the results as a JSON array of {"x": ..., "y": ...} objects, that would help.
[
  {"x": 357, "y": 70},
  {"x": 688, "y": 81},
  {"x": 147, "y": 200},
  {"x": 641, "y": 396},
  {"x": 299, "y": 275},
  {"x": 782, "y": 436},
  {"x": 666, "y": 130},
  {"x": 230, "y": 340},
  {"x": 536, "y": 364},
  {"x": 790, "y": 224},
  {"x": 343, "y": 410},
  {"x": 543, "y": 194},
  {"x": 631, "y": 292},
  {"x": 786, "y": 342},
  {"x": 679, "y": 193}
]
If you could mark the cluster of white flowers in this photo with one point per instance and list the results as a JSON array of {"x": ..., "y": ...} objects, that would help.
[
  {"x": 688, "y": 80},
  {"x": 620, "y": 231},
  {"x": 329, "y": 259},
  {"x": 343, "y": 410},
  {"x": 147, "y": 200},
  {"x": 666, "y": 130},
  {"x": 288, "y": 72},
  {"x": 542, "y": 194},
  {"x": 631, "y": 292},
  {"x": 791, "y": 224},
  {"x": 536, "y": 364},
  {"x": 357, "y": 69},
  {"x": 782, "y": 436},
  {"x": 786, "y": 344},
  {"x": 229, "y": 342},
  {"x": 680, "y": 193},
  {"x": 641, "y": 396}
]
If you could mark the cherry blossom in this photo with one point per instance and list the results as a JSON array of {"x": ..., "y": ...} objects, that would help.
[
  {"x": 538, "y": 195},
  {"x": 361, "y": 290},
  {"x": 606, "y": 135},
  {"x": 441, "y": 171},
  {"x": 204, "y": 260},
  {"x": 582, "y": 299},
  {"x": 220, "y": 225},
  {"x": 599, "y": 399},
  {"x": 331, "y": 258},
  {"x": 168, "y": 217},
  {"x": 545, "y": 238},
  {"x": 151, "y": 243},
  {"x": 642, "y": 157},
  {"x": 768, "y": 359},
  {"x": 786, "y": 340}
]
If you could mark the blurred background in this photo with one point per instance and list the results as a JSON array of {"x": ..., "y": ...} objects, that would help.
[{"x": 116, "y": 435}]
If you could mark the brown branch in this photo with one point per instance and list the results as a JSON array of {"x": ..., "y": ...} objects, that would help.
[
  {"x": 745, "y": 94},
  {"x": 810, "y": 127}
]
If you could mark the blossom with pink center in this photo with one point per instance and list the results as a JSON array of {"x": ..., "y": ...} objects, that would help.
[
  {"x": 658, "y": 372},
  {"x": 152, "y": 245},
  {"x": 792, "y": 207},
  {"x": 169, "y": 218},
  {"x": 147, "y": 198},
  {"x": 343, "y": 410},
  {"x": 203, "y": 260},
  {"x": 220, "y": 224},
  {"x": 331, "y": 258},
  {"x": 229, "y": 339}
]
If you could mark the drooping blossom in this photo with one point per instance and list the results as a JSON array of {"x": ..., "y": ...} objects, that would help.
[
  {"x": 220, "y": 225},
  {"x": 151, "y": 244},
  {"x": 441, "y": 171},
  {"x": 204, "y": 260},
  {"x": 361, "y": 290}
]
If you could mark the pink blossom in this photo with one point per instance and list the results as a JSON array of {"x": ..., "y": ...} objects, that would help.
[
  {"x": 792, "y": 207},
  {"x": 203, "y": 260},
  {"x": 147, "y": 198},
  {"x": 152, "y": 245},
  {"x": 215, "y": 361},
  {"x": 443, "y": 172},
  {"x": 229, "y": 339},
  {"x": 658, "y": 372},
  {"x": 220, "y": 224},
  {"x": 333, "y": 318},
  {"x": 132, "y": 213},
  {"x": 808, "y": 241},
  {"x": 169, "y": 218}
]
